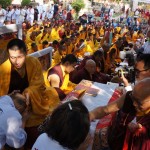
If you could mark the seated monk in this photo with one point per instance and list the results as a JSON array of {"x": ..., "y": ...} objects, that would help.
[
  {"x": 33, "y": 49},
  {"x": 89, "y": 73},
  {"x": 43, "y": 45},
  {"x": 58, "y": 55},
  {"x": 58, "y": 76},
  {"x": 98, "y": 57},
  {"x": 131, "y": 127},
  {"x": 117, "y": 46},
  {"x": 80, "y": 48},
  {"x": 24, "y": 73}
]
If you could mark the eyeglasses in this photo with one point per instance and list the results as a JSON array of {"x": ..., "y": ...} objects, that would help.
[{"x": 139, "y": 71}]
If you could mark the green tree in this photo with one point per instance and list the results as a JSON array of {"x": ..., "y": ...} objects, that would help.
[
  {"x": 77, "y": 6},
  {"x": 5, "y": 3},
  {"x": 25, "y": 2}
]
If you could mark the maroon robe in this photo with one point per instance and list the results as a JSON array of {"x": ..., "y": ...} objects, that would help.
[
  {"x": 98, "y": 64},
  {"x": 58, "y": 71},
  {"x": 120, "y": 138},
  {"x": 17, "y": 82},
  {"x": 84, "y": 74}
]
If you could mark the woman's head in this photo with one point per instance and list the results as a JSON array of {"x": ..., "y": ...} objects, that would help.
[{"x": 69, "y": 124}]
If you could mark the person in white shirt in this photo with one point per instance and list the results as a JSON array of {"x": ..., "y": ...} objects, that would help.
[
  {"x": 44, "y": 11},
  {"x": 22, "y": 15},
  {"x": 66, "y": 129},
  {"x": 16, "y": 15},
  {"x": 30, "y": 15},
  {"x": 39, "y": 7},
  {"x": 12, "y": 123},
  {"x": 9, "y": 14},
  {"x": 50, "y": 12},
  {"x": 2, "y": 15}
]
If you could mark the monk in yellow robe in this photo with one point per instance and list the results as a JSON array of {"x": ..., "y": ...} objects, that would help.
[
  {"x": 102, "y": 31},
  {"x": 55, "y": 33},
  {"x": 58, "y": 55},
  {"x": 58, "y": 76},
  {"x": 116, "y": 35},
  {"x": 34, "y": 28},
  {"x": 80, "y": 48},
  {"x": 24, "y": 73},
  {"x": 33, "y": 49},
  {"x": 41, "y": 37},
  {"x": 30, "y": 39},
  {"x": 116, "y": 47}
]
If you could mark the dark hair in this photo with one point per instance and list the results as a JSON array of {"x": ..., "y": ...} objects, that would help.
[
  {"x": 55, "y": 42},
  {"x": 98, "y": 53},
  {"x": 20, "y": 100},
  {"x": 69, "y": 124},
  {"x": 45, "y": 42},
  {"x": 33, "y": 44},
  {"x": 146, "y": 59},
  {"x": 69, "y": 58},
  {"x": 20, "y": 44}
]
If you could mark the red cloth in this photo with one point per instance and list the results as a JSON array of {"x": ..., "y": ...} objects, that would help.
[
  {"x": 139, "y": 140},
  {"x": 105, "y": 121}
]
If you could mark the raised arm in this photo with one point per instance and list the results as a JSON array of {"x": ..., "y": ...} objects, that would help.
[{"x": 100, "y": 112}]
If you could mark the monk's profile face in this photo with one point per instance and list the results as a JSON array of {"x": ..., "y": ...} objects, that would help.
[
  {"x": 141, "y": 71},
  {"x": 17, "y": 58},
  {"x": 70, "y": 67},
  {"x": 141, "y": 100}
]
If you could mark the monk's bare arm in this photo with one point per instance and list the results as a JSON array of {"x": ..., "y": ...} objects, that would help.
[
  {"x": 54, "y": 80},
  {"x": 102, "y": 111}
]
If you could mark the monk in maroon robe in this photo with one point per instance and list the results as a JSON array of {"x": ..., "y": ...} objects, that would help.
[
  {"x": 89, "y": 73},
  {"x": 130, "y": 129}
]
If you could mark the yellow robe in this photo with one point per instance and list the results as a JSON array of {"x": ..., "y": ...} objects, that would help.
[
  {"x": 134, "y": 37},
  {"x": 69, "y": 48},
  {"x": 55, "y": 35},
  {"x": 67, "y": 86},
  {"x": 43, "y": 100},
  {"x": 32, "y": 29},
  {"x": 56, "y": 59},
  {"x": 102, "y": 32},
  {"x": 28, "y": 42}
]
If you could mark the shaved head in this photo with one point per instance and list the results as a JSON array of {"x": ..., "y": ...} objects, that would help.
[
  {"x": 90, "y": 66},
  {"x": 141, "y": 96},
  {"x": 90, "y": 62},
  {"x": 142, "y": 88}
]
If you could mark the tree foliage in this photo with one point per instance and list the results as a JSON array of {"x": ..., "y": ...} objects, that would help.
[
  {"x": 25, "y": 2},
  {"x": 78, "y": 5},
  {"x": 5, "y": 3}
]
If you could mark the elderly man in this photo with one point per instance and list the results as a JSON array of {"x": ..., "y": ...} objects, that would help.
[
  {"x": 130, "y": 129},
  {"x": 88, "y": 72}
]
